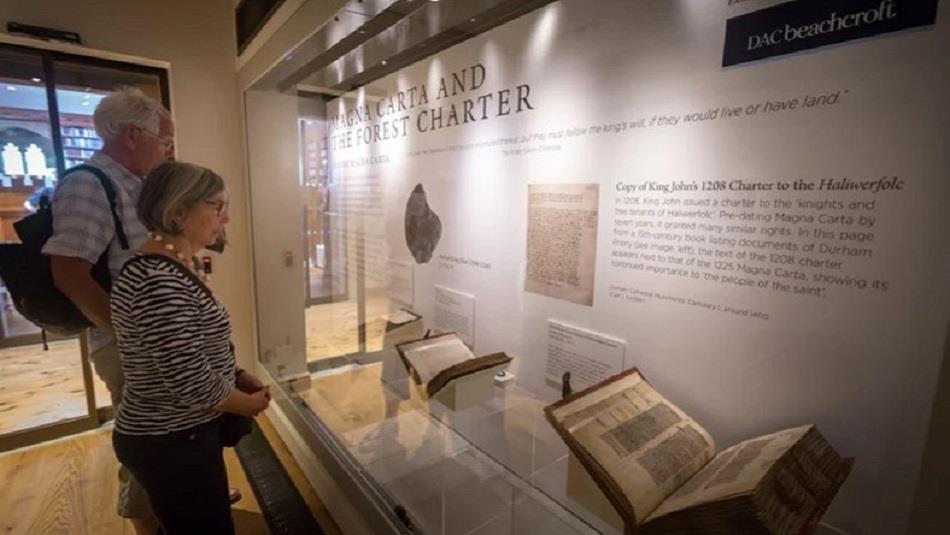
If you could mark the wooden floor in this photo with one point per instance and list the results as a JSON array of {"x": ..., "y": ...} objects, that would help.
[
  {"x": 333, "y": 328},
  {"x": 69, "y": 487},
  {"x": 41, "y": 387}
]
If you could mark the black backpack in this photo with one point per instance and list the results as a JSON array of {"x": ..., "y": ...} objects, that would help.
[{"x": 26, "y": 270}]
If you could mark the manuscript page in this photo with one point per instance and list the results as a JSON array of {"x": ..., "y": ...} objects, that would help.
[
  {"x": 735, "y": 471},
  {"x": 647, "y": 445},
  {"x": 430, "y": 356},
  {"x": 562, "y": 241}
]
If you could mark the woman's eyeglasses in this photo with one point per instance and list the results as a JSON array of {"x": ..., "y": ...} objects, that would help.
[{"x": 220, "y": 207}]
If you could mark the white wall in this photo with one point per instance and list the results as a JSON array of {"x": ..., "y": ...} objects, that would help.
[{"x": 197, "y": 38}]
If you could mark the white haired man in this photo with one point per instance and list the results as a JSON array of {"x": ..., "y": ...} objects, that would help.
[{"x": 138, "y": 135}]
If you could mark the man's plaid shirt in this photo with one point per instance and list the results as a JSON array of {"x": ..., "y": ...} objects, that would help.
[{"x": 82, "y": 220}]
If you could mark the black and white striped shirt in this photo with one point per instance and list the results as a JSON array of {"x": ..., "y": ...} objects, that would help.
[{"x": 174, "y": 339}]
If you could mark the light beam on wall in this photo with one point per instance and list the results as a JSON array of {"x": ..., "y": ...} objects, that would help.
[{"x": 544, "y": 32}]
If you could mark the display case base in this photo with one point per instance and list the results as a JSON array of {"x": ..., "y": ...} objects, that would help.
[
  {"x": 582, "y": 489},
  {"x": 468, "y": 390}
]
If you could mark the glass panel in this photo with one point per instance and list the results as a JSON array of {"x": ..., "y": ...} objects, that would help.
[
  {"x": 590, "y": 188},
  {"x": 315, "y": 180},
  {"x": 336, "y": 295},
  {"x": 38, "y": 387},
  {"x": 79, "y": 88}
]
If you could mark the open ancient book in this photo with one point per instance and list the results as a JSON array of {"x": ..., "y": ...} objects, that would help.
[
  {"x": 661, "y": 472},
  {"x": 436, "y": 360}
]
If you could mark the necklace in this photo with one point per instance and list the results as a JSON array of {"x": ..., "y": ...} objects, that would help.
[{"x": 173, "y": 251}]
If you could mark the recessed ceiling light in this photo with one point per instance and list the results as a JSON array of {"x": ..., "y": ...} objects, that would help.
[
  {"x": 384, "y": 62},
  {"x": 35, "y": 80},
  {"x": 471, "y": 19}
]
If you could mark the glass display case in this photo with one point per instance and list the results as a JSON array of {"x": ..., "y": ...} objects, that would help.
[
  {"x": 588, "y": 188},
  {"x": 494, "y": 466},
  {"x": 478, "y": 456}
]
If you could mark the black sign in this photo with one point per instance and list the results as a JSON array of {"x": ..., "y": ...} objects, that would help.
[{"x": 806, "y": 24}]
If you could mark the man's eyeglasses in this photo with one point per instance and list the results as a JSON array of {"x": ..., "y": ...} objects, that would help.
[
  {"x": 166, "y": 142},
  {"x": 220, "y": 207}
]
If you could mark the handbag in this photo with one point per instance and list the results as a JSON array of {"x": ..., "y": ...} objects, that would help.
[{"x": 233, "y": 428}]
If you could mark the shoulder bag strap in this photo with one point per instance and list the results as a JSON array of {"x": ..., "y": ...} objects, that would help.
[{"x": 110, "y": 194}]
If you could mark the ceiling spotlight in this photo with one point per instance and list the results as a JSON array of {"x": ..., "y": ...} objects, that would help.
[
  {"x": 471, "y": 19},
  {"x": 35, "y": 80},
  {"x": 384, "y": 62}
]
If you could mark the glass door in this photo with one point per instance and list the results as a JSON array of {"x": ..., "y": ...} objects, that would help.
[
  {"x": 47, "y": 387},
  {"x": 40, "y": 385},
  {"x": 80, "y": 84},
  {"x": 29, "y": 163},
  {"x": 79, "y": 88},
  {"x": 315, "y": 183}
]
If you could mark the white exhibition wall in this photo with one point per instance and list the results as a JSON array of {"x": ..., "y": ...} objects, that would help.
[{"x": 759, "y": 287}]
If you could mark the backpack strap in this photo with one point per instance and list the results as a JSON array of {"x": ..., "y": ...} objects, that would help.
[{"x": 110, "y": 194}]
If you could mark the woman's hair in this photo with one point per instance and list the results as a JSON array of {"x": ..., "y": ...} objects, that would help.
[{"x": 171, "y": 190}]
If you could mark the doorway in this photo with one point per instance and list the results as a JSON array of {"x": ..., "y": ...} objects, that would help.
[{"x": 47, "y": 99}]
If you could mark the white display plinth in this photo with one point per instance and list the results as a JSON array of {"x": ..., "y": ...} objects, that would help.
[
  {"x": 299, "y": 382},
  {"x": 582, "y": 489},
  {"x": 468, "y": 390}
]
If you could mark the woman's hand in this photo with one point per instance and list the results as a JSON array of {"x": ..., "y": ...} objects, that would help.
[
  {"x": 259, "y": 401},
  {"x": 248, "y": 383},
  {"x": 246, "y": 404}
]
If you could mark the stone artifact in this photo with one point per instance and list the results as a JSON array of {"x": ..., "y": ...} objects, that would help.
[{"x": 423, "y": 226}]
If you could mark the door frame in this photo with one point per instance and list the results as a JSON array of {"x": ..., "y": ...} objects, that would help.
[{"x": 49, "y": 53}]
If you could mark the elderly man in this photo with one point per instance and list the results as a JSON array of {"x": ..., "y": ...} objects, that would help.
[{"x": 138, "y": 135}]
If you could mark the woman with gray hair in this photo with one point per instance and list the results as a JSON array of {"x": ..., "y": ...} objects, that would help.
[{"x": 174, "y": 342}]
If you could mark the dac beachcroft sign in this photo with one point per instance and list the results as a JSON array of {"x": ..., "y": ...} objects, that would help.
[{"x": 807, "y": 24}]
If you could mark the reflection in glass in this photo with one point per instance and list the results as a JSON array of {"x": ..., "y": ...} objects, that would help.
[{"x": 37, "y": 387}]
